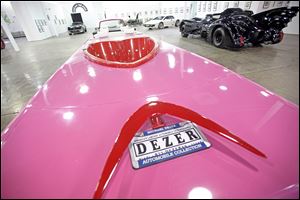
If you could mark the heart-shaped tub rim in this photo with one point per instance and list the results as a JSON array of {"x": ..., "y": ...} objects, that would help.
[{"x": 118, "y": 64}]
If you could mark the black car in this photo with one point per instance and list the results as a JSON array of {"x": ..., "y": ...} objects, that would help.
[
  {"x": 76, "y": 27},
  {"x": 134, "y": 22},
  {"x": 235, "y": 28}
]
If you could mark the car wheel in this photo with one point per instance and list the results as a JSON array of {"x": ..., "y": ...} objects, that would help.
[
  {"x": 177, "y": 23},
  {"x": 221, "y": 38},
  {"x": 184, "y": 34},
  {"x": 70, "y": 33},
  {"x": 161, "y": 25},
  {"x": 85, "y": 30},
  {"x": 203, "y": 34}
]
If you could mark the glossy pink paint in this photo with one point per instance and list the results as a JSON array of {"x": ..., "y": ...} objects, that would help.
[
  {"x": 58, "y": 145},
  {"x": 145, "y": 113}
]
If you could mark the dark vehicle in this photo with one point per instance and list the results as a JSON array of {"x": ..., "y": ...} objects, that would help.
[
  {"x": 76, "y": 27},
  {"x": 134, "y": 22},
  {"x": 235, "y": 28}
]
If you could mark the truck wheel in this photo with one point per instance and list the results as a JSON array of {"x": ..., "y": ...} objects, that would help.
[{"x": 161, "y": 25}]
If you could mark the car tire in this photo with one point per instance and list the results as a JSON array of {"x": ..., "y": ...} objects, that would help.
[
  {"x": 85, "y": 30},
  {"x": 70, "y": 33},
  {"x": 177, "y": 23},
  {"x": 161, "y": 25},
  {"x": 184, "y": 34},
  {"x": 221, "y": 38},
  {"x": 203, "y": 34}
]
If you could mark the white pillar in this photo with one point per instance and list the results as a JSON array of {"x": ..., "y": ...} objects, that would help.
[
  {"x": 9, "y": 35},
  {"x": 193, "y": 11},
  {"x": 184, "y": 11}
]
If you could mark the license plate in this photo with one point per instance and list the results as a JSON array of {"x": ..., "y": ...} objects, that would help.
[{"x": 154, "y": 146}]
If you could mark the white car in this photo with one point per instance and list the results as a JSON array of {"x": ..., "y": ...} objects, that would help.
[
  {"x": 162, "y": 21},
  {"x": 112, "y": 25}
]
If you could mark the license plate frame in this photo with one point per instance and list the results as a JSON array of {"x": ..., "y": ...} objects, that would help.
[{"x": 169, "y": 142}]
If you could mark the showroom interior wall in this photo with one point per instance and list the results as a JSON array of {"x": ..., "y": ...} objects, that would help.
[
  {"x": 108, "y": 9},
  {"x": 91, "y": 17},
  {"x": 58, "y": 14},
  {"x": 39, "y": 20},
  {"x": 131, "y": 8},
  {"x": 56, "y": 17},
  {"x": 209, "y": 7},
  {"x": 30, "y": 13},
  {"x": 43, "y": 19},
  {"x": 179, "y": 9},
  {"x": 9, "y": 16},
  {"x": 293, "y": 26}
]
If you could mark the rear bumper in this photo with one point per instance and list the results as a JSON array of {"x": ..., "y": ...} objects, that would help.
[{"x": 261, "y": 37}]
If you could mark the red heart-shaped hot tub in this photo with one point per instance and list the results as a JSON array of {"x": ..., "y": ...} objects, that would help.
[{"x": 126, "y": 53}]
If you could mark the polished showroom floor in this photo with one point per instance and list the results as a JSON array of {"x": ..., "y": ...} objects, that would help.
[{"x": 276, "y": 67}]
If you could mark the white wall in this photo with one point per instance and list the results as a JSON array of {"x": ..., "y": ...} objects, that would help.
[
  {"x": 56, "y": 18},
  {"x": 183, "y": 7},
  {"x": 6, "y": 9},
  {"x": 27, "y": 12},
  {"x": 52, "y": 14},
  {"x": 293, "y": 26},
  {"x": 147, "y": 9},
  {"x": 123, "y": 9},
  {"x": 90, "y": 18}
]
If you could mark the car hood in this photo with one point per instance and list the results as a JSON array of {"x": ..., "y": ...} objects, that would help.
[
  {"x": 58, "y": 145},
  {"x": 153, "y": 22}
]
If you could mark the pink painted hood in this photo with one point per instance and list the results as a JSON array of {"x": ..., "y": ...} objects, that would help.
[{"x": 58, "y": 145}]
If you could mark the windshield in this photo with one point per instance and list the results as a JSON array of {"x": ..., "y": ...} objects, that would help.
[
  {"x": 110, "y": 24},
  {"x": 76, "y": 23},
  {"x": 159, "y": 18}
]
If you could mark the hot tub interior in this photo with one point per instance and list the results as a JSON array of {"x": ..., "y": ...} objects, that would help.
[{"x": 125, "y": 53}]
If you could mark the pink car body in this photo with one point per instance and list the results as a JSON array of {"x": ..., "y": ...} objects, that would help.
[{"x": 59, "y": 144}]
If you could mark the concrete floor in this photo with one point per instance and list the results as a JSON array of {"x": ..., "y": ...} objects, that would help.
[{"x": 276, "y": 67}]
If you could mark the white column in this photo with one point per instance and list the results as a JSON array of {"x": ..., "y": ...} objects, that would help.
[
  {"x": 9, "y": 35},
  {"x": 184, "y": 9},
  {"x": 194, "y": 9}
]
